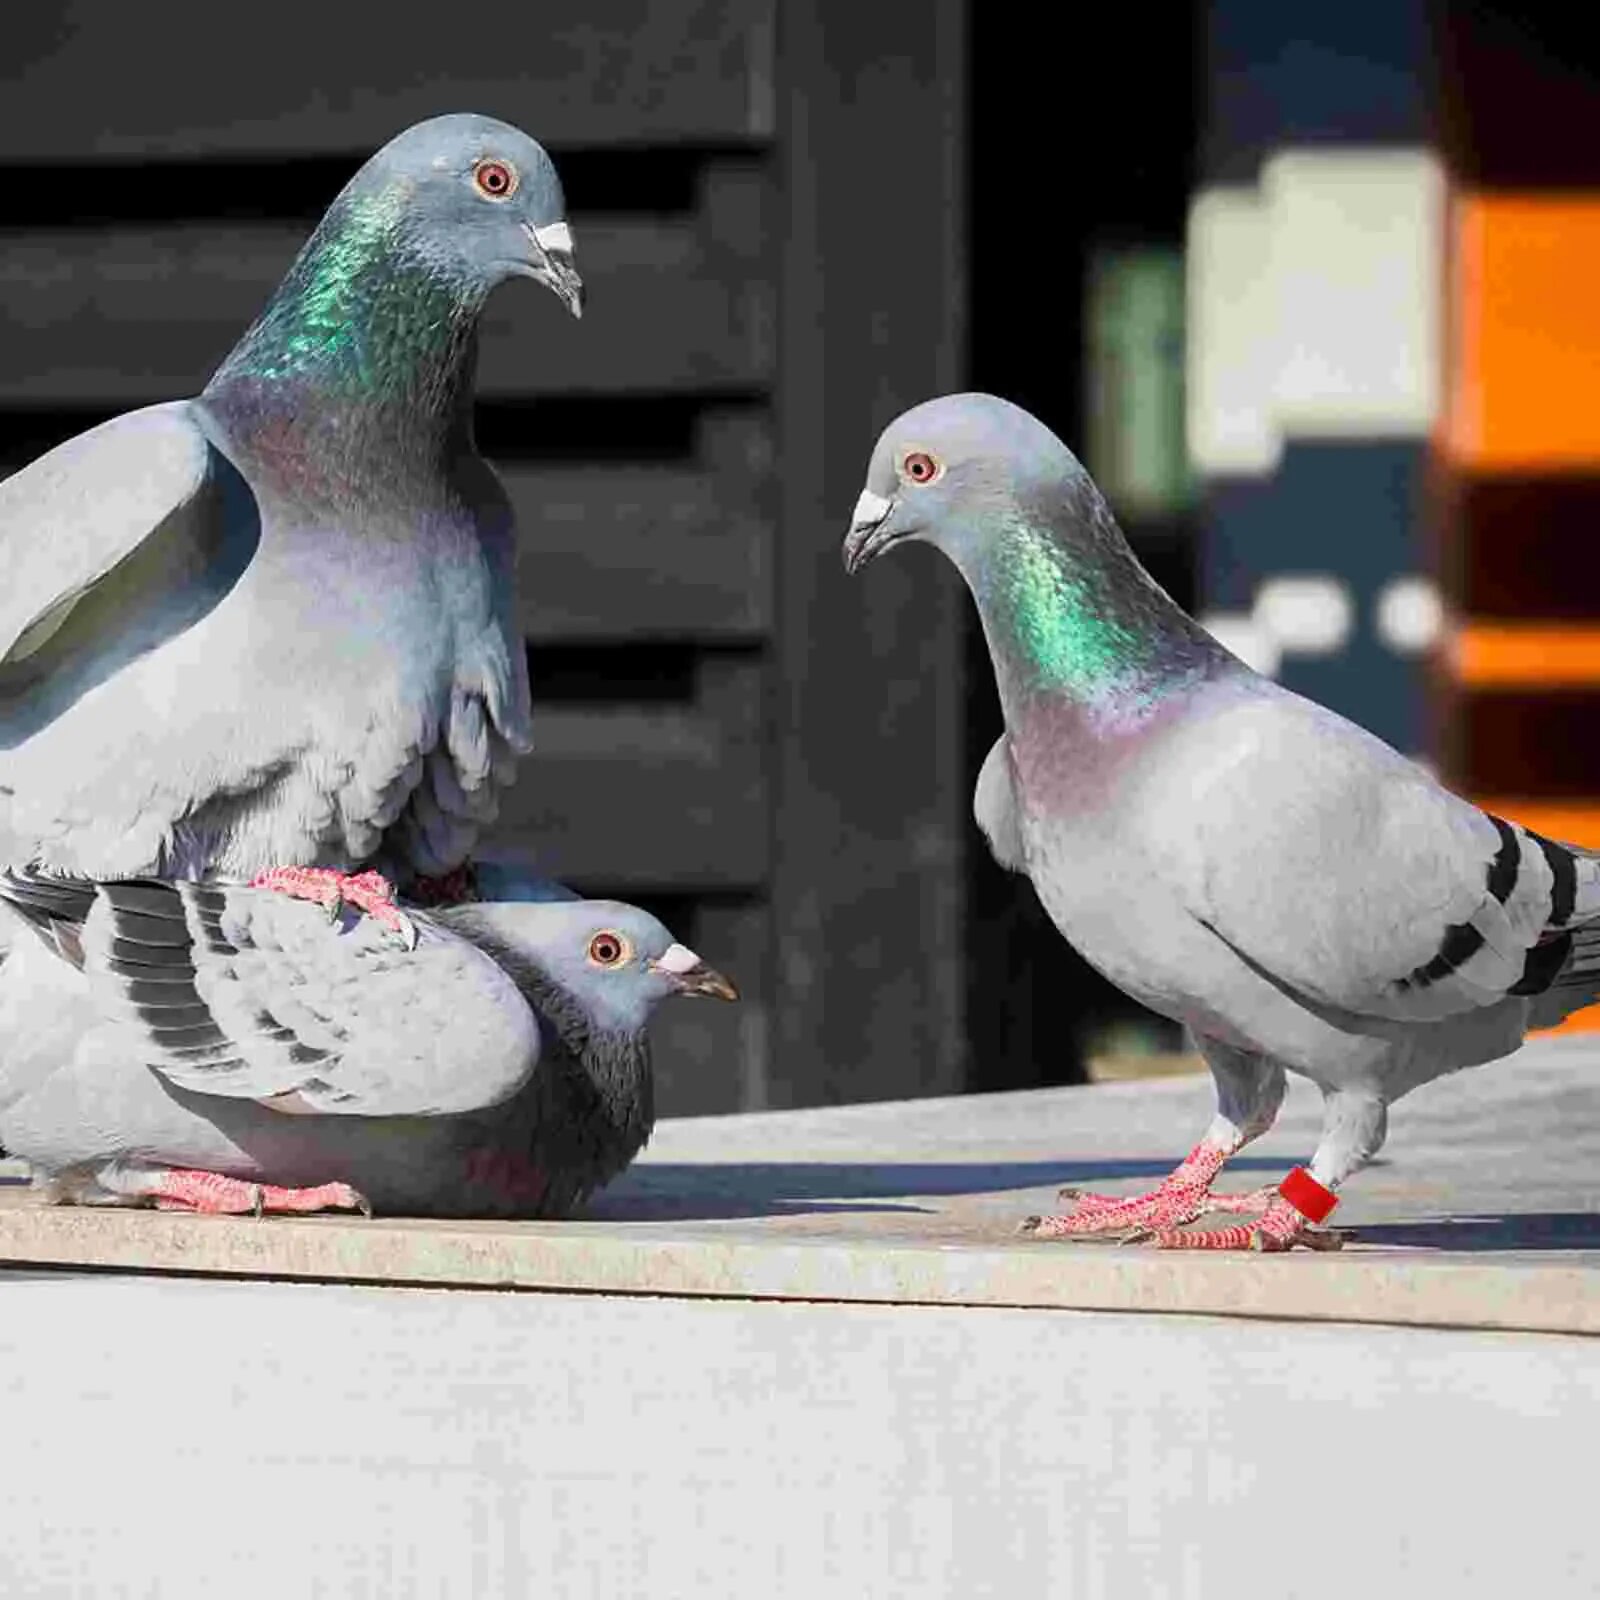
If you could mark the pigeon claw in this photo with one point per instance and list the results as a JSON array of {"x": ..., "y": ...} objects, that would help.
[
  {"x": 213, "y": 1194},
  {"x": 1175, "y": 1202},
  {"x": 1182, "y": 1196},
  {"x": 321, "y": 1197},
  {"x": 368, "y": 892}
]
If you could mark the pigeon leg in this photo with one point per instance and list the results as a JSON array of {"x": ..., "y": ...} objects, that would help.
[
  {"x": 370, "y": 892},
  {"x": 1249, "y": 1092},
  {"x": 1354, "y": 1126},
  {"x": 186, "y": 1189}
]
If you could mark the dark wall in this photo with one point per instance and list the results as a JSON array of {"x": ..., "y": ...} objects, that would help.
[
  {"x": 1083, "y": 128},
  {"x": 768, "y": 207}
]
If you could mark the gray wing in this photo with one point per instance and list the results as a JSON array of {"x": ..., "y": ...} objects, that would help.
[
  {"x": 80, "y": 513},
  {"x": 249, "y": 994},
  {"x": 53, "y": 904},
  {"x": 994, "y": 805},
  {"x": 112, "y": 544},
  {"x": 1345, "y": 874}
]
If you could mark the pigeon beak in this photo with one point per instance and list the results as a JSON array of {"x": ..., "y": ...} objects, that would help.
[
  {"x": 552, "y": 263},
  {"x": 867, "y": 536},
  {"x": 688, "y": 974}
]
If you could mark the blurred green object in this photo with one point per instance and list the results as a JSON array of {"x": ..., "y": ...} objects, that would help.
[{"x": 1134, "y": 374}]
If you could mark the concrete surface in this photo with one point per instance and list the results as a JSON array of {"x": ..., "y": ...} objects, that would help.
[
  {"x": 180, "y": 1439},
  {"x": 1483, "y": 1211},
  {"x": 725, "y": 1426}
]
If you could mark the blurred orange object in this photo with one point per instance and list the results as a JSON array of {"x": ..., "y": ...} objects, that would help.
[
  {"x": 1570, "y": 821},
  {"x": 1524, "y": 334},
  {"x": 1542, "y": 654},
  {"x": 1585, "y": 1021}
]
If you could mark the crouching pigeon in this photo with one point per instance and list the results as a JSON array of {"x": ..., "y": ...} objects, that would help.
[
  {"x": 230, "y": 1049},
  {"x": 1231, "y": 855},
  {"x": 274, "y": 626}
]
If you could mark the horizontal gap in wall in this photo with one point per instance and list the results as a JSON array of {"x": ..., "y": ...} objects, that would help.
[
  {"x": 652, "y": 180},
  {"x": 610, "y": 428},
  {"x": 564, "y": 430},
  {"x": 26, "y": 434},
  {"x": 657, "y": 672}
]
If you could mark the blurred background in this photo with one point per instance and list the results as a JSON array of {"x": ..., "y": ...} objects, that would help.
[{"x": 1314, "y": 296}]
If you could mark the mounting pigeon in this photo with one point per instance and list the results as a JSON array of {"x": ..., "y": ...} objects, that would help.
[
  {"x": 228, "y": 1049},
  {"x": 273, "y": 626},
  {"x": 1236, "y": 858}
]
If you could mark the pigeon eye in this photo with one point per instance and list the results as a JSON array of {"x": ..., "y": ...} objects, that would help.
[
  {"x": 495, "y": 180},
  {"x": 608, "y": 949},
  {"x": 920, "y": 467}
]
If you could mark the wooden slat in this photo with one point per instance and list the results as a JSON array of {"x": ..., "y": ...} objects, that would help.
[
  {"x": 648, "y": 797},
  {"x": 1525, "y": 333},
  {"x": 636, "y": 553},
  {"x": 1524, "y": 655},
  {"x": 184, "y": 79},
  {"x": 871, "y": 817},
  {"x": 118, "y": 315},
  {"x": 639, "y": 553},
  {"x": 656, "y": 552}
]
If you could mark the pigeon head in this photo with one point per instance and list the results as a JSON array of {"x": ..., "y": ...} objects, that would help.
[
  {"x": 478, "y": 198},
  {"x": 617, "y": 962},
  {"x": 1066, "y": 608},
  {"x": 379, "y": 309},
  {"x": 937, "y": 467}
]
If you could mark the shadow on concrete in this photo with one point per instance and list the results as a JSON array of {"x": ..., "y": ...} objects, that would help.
[
  {"x": 1533, "y": 1230},
  {"x": 690, "y": 1191}
]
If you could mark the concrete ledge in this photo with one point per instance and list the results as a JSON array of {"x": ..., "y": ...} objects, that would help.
[
  {"x": 1481, "y": 1216},
  {"x": 1360, "y": 1286}
]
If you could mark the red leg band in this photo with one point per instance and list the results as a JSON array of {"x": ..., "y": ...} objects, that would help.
[{"x": 1307, "y": 1196}]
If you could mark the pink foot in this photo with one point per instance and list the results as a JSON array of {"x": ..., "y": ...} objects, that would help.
[
  {"x": 1088, "y": 1204},
  {"x": 184, "y": 1189},
  {"x": 370, "y": 892},
  {"x": 1183, "y": 1195},
  {"x": 1280, "y": 1227}
]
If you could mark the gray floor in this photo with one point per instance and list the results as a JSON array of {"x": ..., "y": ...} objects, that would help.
[
  {"x": 1481, "y": 1212},
  {"x": 1011, "y": 1420}
]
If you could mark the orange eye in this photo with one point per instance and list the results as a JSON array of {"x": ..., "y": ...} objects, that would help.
[
  {"x": 495, "y": 180},
  {"x": 608, "y": 949},
  {"x": 920, "y": 467}
]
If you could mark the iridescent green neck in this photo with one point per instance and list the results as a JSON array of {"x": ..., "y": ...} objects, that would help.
[
  {"x": 1080, "y": 620},
  {"x": 364, "y": 320}
]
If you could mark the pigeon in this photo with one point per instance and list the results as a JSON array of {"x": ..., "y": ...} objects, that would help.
[
  {"x": 228, "y": 1049},
  {"x": 1239, "y": 859},
  {"x": 274, "y": 626}
]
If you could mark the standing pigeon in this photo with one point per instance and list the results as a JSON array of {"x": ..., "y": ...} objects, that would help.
[
  {"x": 1234, "y": 857},
  {"x": 274, "y": 626},
  {"x": 227, "y": 1049}
]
